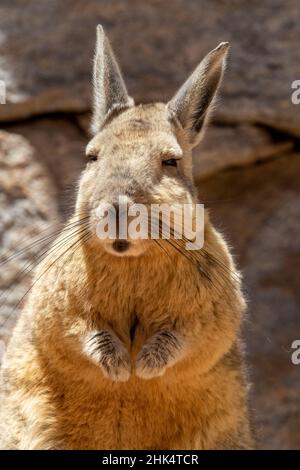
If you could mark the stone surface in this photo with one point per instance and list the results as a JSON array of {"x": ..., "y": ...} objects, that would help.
[
  {"x": 258, "y": 208},
  {"x": 27, "y": 210},
  {"x": 60, "y": 146},
  {"x": 235, "y": 146},
  {"x": 46, "y": 52}
]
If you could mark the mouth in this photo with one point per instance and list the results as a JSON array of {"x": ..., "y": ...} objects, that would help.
[{"x": 120, "y": 246}]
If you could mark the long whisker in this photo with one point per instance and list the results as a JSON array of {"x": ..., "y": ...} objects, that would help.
[
  {"x": 174, "y": 243},
  {"x": 39, "y": 256},
  {"x": 30, "y": 266},
  {"x": 195, "y": 256},
  {"x": 41, "y": 240},
  {"x": 84, "y": 237},
  {"x": 161, "y": 247}
]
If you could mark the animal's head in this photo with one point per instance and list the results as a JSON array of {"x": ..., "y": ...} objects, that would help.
[{"x": 143, "y": 153}]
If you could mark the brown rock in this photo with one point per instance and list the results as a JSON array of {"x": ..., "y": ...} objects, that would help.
[
  {"x": 259, "y": 209},
  {"x": 26, "y": 211},
  {"x": 60, "y": 146},
  {"x": 225, "y": 147},
  {"x": 46, "y": 53}
]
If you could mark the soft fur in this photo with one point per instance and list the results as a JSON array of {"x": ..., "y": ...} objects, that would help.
[{"x": 143, "y": 350}]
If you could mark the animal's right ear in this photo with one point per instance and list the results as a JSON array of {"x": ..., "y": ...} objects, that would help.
[{"x": 109, "y": 88}]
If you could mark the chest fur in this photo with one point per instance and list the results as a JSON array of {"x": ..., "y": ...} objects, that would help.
[{"x": 144, "y": 298}]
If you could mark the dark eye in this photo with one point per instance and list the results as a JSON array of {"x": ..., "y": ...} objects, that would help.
[
  {"x": 92, "y": 157},
  {"x": 170, "y": 162}
]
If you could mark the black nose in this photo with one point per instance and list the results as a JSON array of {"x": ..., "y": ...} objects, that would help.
[{"x": 120, "y": 245}]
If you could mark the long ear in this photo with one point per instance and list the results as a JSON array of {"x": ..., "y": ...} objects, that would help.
[
  {"x": 109, "y": 88},
  {"x": 191, "y": 103}
]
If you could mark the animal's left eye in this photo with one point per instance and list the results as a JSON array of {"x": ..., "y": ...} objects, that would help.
[{"x": 170, "y": 162}]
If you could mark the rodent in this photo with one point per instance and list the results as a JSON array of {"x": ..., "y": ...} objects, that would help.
[{"x": 131, "y": 344}]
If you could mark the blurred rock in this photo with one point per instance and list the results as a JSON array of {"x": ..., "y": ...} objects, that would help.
[
  {"x": 84, "y": 122},
  {"x": 228, "y": 146},
  {"x": 27, "y": 209},
  {"x": 258, "y": 208},
  {"x": 47, "y": 49},
  {"x": 60, "y": 146}
]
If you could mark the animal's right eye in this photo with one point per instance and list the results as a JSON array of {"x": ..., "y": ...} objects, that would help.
[{"x": 92, "y": 157}]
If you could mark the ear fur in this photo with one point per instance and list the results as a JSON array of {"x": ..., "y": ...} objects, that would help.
[
  {"x": 110, "y": 92},
  {"x": 191, "y": 103}
]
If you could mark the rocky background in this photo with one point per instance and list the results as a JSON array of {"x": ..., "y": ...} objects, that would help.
[{"x": 247, "y": 167}]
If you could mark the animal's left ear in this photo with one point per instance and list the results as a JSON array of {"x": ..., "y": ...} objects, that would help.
[{"x": 192, "y": 102}]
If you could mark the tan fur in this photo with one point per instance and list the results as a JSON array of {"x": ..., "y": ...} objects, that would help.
[{"x": 54, "y": 396}]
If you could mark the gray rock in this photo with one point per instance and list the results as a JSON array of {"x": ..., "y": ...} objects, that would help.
[
  {"x": 225, "y": 147},
  {"x": 27, "y": 210},
  {"x": 46, "y": 53},
  {"x": 60, "y": 146}
]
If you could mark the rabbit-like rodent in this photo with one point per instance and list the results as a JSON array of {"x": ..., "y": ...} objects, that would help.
[{"x": 124, "y": 343}]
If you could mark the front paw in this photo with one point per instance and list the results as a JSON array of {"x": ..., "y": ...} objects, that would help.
[
  {"x": 105, "y": 348},
  {"x": 149, "y": 364},
  {"x": 160, "y": 352}
]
